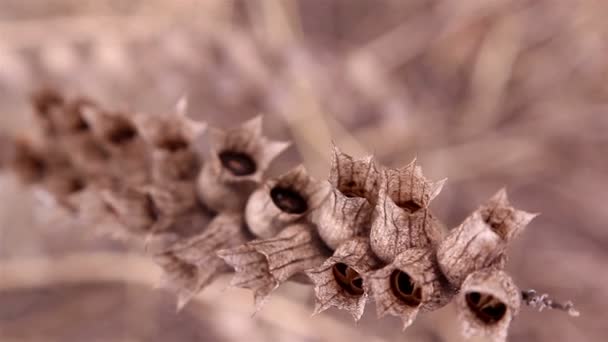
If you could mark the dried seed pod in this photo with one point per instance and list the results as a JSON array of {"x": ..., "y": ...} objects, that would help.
[
  {"x": 401, "y": 218},
  {"x": 470, "y": 247},
  {"x": 339, "y": 280},
  {"x": 191, "y": 264},
  {"x": 172, "y": 139},
  {"x": 263, "y": 265},
  {"x": 48, "y": 108},
  {"x": 134, "y": 209},
  {"x": 481, "y": 240},
  {"x": 238, "y": 160},
  {"x": 408, "y": 189},
  {"x": 117, "y": 133},
  {"x": 347, "y": 211},
  {"x": 283, "y": 200},
  {"x": 487, "y": 302},
  {"x": 412, "y": 283},
  {"x": 504, "y": 219},
  {"x": 47, "y": 168}
]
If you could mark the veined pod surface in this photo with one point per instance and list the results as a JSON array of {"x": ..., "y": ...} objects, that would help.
[
  {"x": 401, "y": 218},
  {"x": 481, "y": 240},
  {"x": 263, "y": 265}
]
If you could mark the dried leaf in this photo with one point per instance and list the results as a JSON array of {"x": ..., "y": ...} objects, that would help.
[
  {"x": 339, "y": 280},
  {"x": 347, "y": 210},
  {"x": 283, "y": 200},
  {"x": 192, "y": 263},
  {"x": 410, "y": 284},
  {"x": 487, "y": 302},
  {"x": 239, "y": 158}
]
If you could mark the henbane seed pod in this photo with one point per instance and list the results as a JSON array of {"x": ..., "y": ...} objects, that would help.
[
  {"x": 481, "y": 240},
  {"x": 339, "y": 280},
  {"x": 487, "y": 302},
  {"x": 347, "y": 211},
  {"x": 172, "y": 139},
  {"x": 191, "y": 264},
  {"x": 412, "y": 283},
  {"x": 117, "y": 133},
  {"x": 401, "y": 218},
  {"x": 239, "y": 157},
  {"x": 283, "y": 200},
  {"x": 263, "y": 265}
]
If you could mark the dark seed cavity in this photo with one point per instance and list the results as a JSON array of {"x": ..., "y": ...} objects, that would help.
[
  {"x": 288, "y": 200},
  {"x": 240, "y": 164},
  {"x": 348, "y": 279},
  {"x": 409, "y": 206},
  {"x": 122, "y": 134},
  {"x": 486, "y": 307},
  {"x": 351, "y": 189},
  {"x": 406, "y": 289},
  {"x": 173, "y": 144}
]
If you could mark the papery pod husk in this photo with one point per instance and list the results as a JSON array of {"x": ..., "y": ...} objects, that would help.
[
  {"x": 481, "y": 240},
  {"x": 117, "y": 133},
  {"x": 470, "y": 247},
  {"x": 191, "y": 264},
  {"x": 503, "y": 218},
  {"x": 487, "y": 303},
  {"x": 347, "y": 211},
  {"x": 401, "y": 218},
  {"x": 48, "y": 107},
  {"x": 235, "y": 168},
  {"x": 282, "y": 201},
  {"x": 263, "y": 265},
  {"x": 412, "y": 283},
  {"x": 338, "y": 282}
]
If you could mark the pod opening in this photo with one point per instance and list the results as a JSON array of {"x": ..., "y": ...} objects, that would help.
[
  {"x": 238, "y": 163},
  {"x": 288, "y": 200},
  {"x": 123, "y": 132},
  {"x": 348, "y": 279},
  {"x": 485, "y": 307},
  {"x": 406, "y": 289},
  {"x": 173, "y": 144}
]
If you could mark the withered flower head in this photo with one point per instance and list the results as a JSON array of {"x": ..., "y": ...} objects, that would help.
[
  {"x": 410, "y": 284},
  {"x": 339, "y": 281},
  {"x": 482, "y": 239},
  {"x": 192, "y": 263},
  {"x": 238, "y": 160},
  {"x": 133, "y": 208},
  {"x": 401, "y": 218},
  {"x": 283, "y": 200},
  {"x": 348, "y": 208},
  {"x": 487, "y": 302},
  {"x": 263, "y": 265}
]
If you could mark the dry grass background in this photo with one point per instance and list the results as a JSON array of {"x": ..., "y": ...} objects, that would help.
[{"x": 486, "y": 93}]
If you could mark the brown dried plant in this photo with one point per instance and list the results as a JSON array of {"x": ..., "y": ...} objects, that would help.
[{"x": 366, "y": 233}]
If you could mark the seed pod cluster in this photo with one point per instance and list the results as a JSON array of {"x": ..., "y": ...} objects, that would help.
[{"x": 365, "y": 233}]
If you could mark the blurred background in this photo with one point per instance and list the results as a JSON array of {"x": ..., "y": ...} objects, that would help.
[{"x": 488, "y": 93}]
